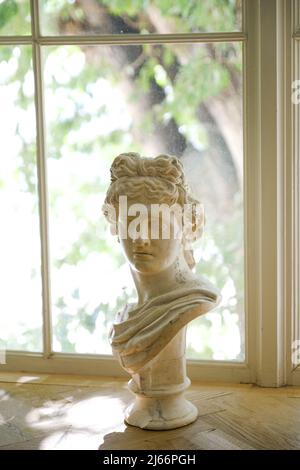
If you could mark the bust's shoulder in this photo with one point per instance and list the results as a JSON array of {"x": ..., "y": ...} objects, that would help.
[{"x": 201, "y": 282}]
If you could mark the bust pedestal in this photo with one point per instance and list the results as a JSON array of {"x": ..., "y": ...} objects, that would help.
[
  {"x": 159, "y": 390},
  {"x": 148, "y": 337}
]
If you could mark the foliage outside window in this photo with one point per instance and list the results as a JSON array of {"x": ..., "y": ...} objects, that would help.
[{"x": 101, "y": 100}]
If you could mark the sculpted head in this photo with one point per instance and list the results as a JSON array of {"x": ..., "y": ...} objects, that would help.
[{"x": 152, "y": 211}]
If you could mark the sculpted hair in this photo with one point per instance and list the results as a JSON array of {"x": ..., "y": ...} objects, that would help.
[{"x": 155, "y": 180}]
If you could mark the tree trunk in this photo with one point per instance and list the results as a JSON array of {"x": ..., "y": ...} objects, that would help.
[{"x": 214, "y": 168}]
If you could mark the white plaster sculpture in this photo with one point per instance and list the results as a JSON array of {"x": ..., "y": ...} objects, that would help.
[{"x": 148, "y": 337}]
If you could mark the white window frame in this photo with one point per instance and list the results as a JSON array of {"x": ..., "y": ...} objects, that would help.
[
  {"x": 292, "y": 202},
  {"x": 269, "y": 169}
]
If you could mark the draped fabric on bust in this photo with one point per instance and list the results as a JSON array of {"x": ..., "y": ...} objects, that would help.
[{"x": 141, "y": 332}]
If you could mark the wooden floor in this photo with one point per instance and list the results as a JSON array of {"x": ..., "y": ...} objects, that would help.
[{"x": 71, "y": 412}]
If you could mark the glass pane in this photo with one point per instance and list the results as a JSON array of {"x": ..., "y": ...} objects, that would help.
[
  {"x": 15, "y": 17},
  {"x": 139, "y": 16},
  {"x": 184, "y": 100},
  {"x": 20, "y": 297}
]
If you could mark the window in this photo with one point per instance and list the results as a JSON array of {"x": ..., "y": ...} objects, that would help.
[
  {"x": 89, "y": 120},
  {"x": 21, "y": 320},
  {"x": 86, "y": 80}
]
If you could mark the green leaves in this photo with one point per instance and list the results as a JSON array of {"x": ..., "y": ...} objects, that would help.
[
  {"x": 187, "y": 15},
  {"x": 216, "y": 15},
  {"x": 15, "y": 17},
  {"x": 212, "y": 79},
  {"x": 128, "y": 7},
  {"x": 8, "y": 9}
]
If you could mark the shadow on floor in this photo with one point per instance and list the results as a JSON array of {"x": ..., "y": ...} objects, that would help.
[
  {"x": 133, "y": 438},
  {"x": 37, "y": 416}
]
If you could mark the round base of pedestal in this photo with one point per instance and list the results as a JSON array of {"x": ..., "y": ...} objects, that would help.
[{"x": 169, "y": 412}]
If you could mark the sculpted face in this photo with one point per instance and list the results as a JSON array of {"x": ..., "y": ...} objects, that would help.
[
  {"x": 159, "y": 181},
  {"x": 146, "y": 254}
]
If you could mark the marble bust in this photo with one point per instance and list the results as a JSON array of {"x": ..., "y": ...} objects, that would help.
[{"x": 146, "y": 205}]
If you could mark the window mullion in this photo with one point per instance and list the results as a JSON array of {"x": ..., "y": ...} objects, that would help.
[
  {"x": 270, "y": 318},
  {"x": 42, "y": 178},
  {"x": 19, "y": 40},
  {"x": 128, "y": 39},
  {"x": 294, "y": 184}
]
